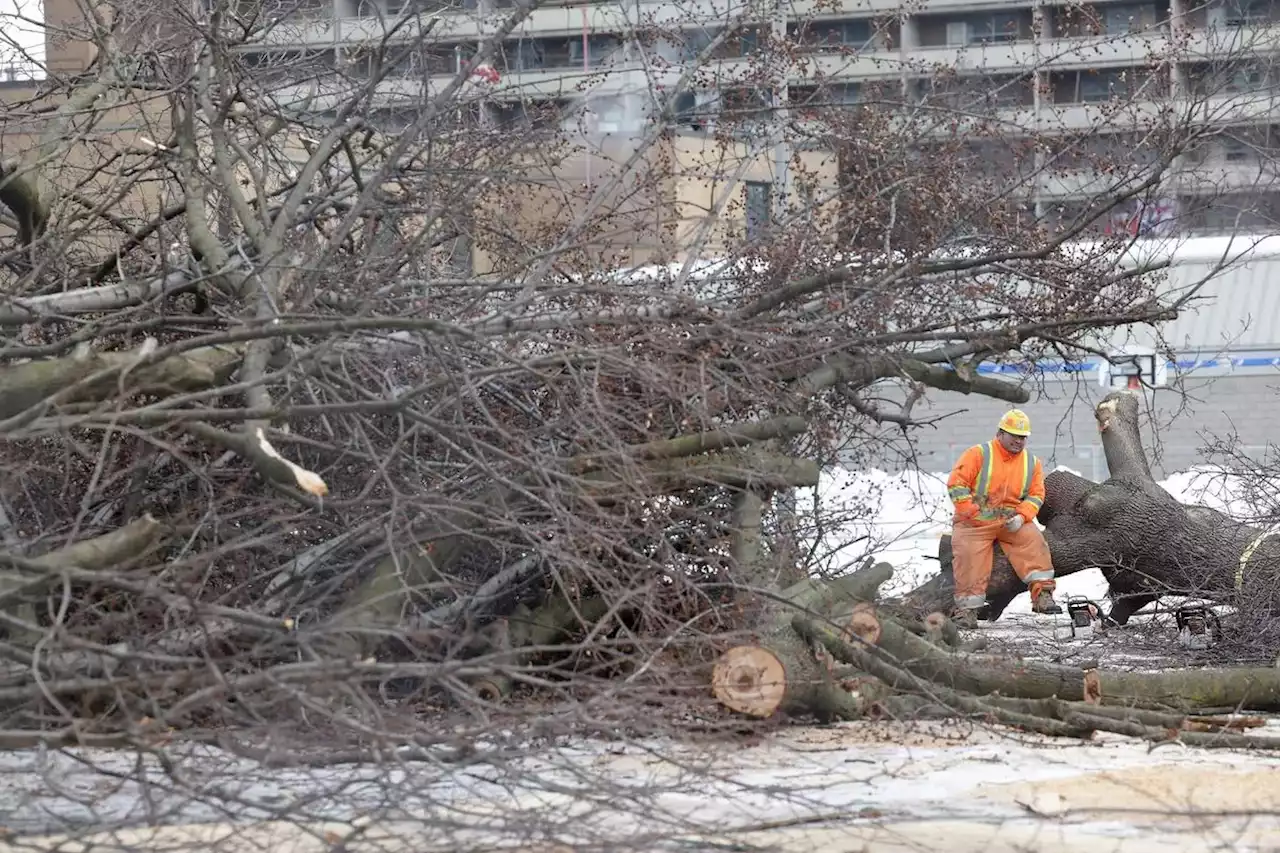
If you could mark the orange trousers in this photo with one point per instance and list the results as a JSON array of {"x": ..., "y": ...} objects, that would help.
[{"x": 973, "y": 549}]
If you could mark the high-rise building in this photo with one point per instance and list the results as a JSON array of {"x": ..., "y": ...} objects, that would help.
[
  {"x": 1098, "y": 75},
  {"x": 1088, "y": 82}
]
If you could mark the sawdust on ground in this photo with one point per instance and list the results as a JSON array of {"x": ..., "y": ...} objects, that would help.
[{"x": 1169, "y": 791}]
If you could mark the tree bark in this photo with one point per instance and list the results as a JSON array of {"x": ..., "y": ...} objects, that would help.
[
  {"x": 25, "y": 385},
  {"x": 696, "y": 444},
  {"x": 731, "y": 469},
  {"x": 526, "y": 633},
  {"x": 92, "y": 300},
  {"x": 1246, "y": 688},
  {"x": 99, "y": 553}
]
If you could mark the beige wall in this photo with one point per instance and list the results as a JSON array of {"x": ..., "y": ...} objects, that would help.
[
  {"x": 709, "y": 189},
  {"x": 533, "y": 205},
  {"x": 690, "y": 191},
  {"x": 87, "y": 163}
]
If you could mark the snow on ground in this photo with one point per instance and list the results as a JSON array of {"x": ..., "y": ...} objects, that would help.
[{"x": 847, "y": 787}]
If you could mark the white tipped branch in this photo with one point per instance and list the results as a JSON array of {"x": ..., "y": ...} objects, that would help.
[{"x": 253, "y": 446}]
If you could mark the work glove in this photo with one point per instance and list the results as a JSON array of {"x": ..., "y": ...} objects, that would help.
[{"x": 1014, "y": 524}]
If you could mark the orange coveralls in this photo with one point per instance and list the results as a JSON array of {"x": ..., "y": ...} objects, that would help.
[{"x": 988, "y": 485}]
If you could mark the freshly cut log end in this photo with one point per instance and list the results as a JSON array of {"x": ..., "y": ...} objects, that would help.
[
  {"x": 940, "y": 630},
  {"x": 750, "y": 680},
  {"x": 1092, "y": 687},
  {"x": 492, "y": 690},
  {"x": 865, "y": 689},
  {"x": 863, "y": 625}
]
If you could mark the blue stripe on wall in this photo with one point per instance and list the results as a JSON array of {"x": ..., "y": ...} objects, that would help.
[{"x": 1092, "y": 366}]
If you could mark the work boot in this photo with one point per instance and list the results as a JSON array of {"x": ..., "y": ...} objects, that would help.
[
  {"x": 1042, "y": 602},
  {"x": 964, "y": 617}
]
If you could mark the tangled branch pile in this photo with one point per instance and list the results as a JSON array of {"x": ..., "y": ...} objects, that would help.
[{"x": 269, "y": 455}]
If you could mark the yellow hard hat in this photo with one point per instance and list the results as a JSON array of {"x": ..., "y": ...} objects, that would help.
[{"x": 1016, "y": 422}]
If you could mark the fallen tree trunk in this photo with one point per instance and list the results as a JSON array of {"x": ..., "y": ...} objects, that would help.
[
  {"x": 1146, "y": 543},
  {"x": 1246, "y": 688},
  {"x": 1051, "y": 716}
]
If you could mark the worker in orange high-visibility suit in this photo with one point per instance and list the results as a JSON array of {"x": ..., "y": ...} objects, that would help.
[{"x": 998, "y": 489}]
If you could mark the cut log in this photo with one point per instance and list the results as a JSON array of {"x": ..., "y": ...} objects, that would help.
[
  {"x": 750, "y": 680},
  {"x": 1245, "y": 688},
  {"x": 779, "y": 671},
  {"x": 1185, "y": 722},
  {"x": 940, "y": 630}
]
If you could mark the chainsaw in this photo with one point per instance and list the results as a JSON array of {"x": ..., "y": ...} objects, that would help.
[
  {"x": 1198, "y": 626},
  {"x": 1084, "y": 617}
]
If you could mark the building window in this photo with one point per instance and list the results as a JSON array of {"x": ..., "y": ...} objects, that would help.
[
  {"x": 599, "y": 48},
  {"x": 1247, "y": 13},
  {"x": 1095, "y": 86},
  {"x": 524, "y": 55},
  {"x": 743, "y": 42},
  {"x": 1247, "y": 78},
  {"x": 759, "y": 208},
  {"x": 846, "y": 94},
  {"x": 1119, "y": 20},
  {"x": 991, "y": 27},
  {"x": 1235, "y": 150},
  {"x": 854, "y": 33},
  {"x": 808, "y": 194}
]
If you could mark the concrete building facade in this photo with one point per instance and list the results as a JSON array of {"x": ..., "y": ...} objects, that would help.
[{"x": 1052, "y": 67}]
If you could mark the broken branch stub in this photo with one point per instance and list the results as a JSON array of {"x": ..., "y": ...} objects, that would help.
[{"x": 258, "y": 451}]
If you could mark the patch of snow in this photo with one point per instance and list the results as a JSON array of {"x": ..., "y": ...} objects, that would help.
[{"x": 804, "y": 788}]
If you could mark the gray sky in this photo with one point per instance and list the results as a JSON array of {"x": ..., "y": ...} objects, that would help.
[{"x": 20, "y": 31}]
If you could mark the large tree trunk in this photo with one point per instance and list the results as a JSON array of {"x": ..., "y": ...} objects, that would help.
[{"x": 1146, "y": 543}]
